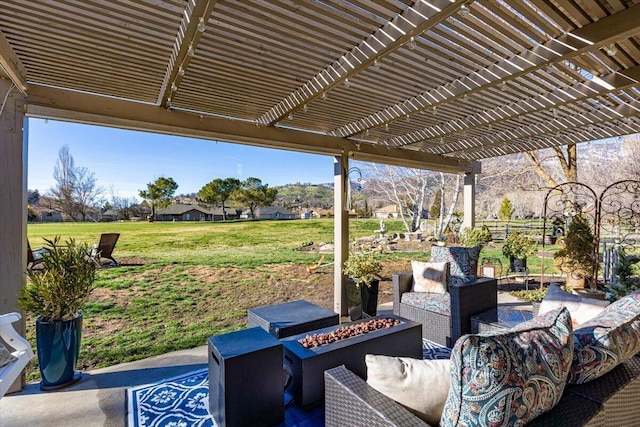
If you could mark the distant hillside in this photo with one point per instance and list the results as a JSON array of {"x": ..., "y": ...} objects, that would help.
[{"x": 305, "y": 196}]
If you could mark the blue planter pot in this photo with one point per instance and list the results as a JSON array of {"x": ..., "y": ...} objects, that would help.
[{"x": 58, "y": 346}]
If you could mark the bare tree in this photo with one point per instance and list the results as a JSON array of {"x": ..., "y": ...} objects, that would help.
[
  {"x": 123, "y": 206},
  {"x": 61, "y": 195},
  {"x": 630, "y": 157},
  {"x": 445, "y": 218},
  {"x": 76, "y": 191},
  {"x": 411, "y": 190},
  {"x": 567, "y": 158},
  {"x": 86, "y": 194}
]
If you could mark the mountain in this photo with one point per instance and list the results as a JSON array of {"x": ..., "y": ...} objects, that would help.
[{"x": 305, "y": 196}]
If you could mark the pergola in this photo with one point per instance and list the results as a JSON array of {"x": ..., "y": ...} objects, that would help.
[{"x": 431, "y": 84}]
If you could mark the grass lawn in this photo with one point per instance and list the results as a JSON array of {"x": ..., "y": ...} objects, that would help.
[{"x": 180, "y": 283}]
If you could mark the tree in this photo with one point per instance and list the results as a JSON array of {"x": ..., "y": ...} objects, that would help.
[
  {"x": 85, "y": 193},
  {"x": 33, "y": 196},
  {"x": 434, "y": 212},
  {"x": 159, "y": 193},
  {"x": 253, "y": 193},
  {"x": 506, "y": 210},
  {"x": 218, "y": 190},
  {"x": 409, "y": 189},
  {"x": 567, "y": 158},
  {"x": 406, "y": 188},
  {"x": 76, "y": 191},
  {"x": 63, "y": 173},
  {"x": 123, "y": 206}
]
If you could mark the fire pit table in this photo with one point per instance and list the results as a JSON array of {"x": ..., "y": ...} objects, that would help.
[
  {"x": 307, "y": 365},
  {"x": 291, "y": 318}
]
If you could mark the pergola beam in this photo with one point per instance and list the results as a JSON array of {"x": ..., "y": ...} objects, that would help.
[
  {"x": 415, "y": 20},
  {"x": 184, "y": 46},
  {"x": 529, "y": 139},
  {"x": 11, "y": 65},
  {"x": 53, "y": 103},
  {"x": 571, "y": 95},
  {"x": 593, "y": 36}
]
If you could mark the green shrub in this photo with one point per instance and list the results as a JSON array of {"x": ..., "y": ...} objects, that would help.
[
  {"x": 626, "y": 284},
  {"x": 519, "y": 245},
  {"x": 534, "y": 295},
  {"x": 473, "y": 237},
  {"x": 363, "y": 268},
  {"x": 59, "y": 290},
  {"x": 506, "y": 210}
]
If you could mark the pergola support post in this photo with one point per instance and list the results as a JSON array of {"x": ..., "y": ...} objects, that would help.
[
  {"x": 13, "y": 203},
  {"x": 469, "y": 197},
  {"x": 340, "y": 228}
]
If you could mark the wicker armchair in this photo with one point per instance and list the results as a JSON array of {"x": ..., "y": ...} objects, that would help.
[{"x": 466, "y": 300}]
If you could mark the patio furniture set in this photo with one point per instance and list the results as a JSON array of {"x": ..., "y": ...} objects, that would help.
[
  {"x": 250, "y": 369},
  {"x": 498, "y": 373},
  {"x": 506, "y": 367}
]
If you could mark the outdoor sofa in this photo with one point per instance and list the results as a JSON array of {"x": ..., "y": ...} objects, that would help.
[
  {"x": 611, "y": 400},
  {"x": 542, "y": 372}
]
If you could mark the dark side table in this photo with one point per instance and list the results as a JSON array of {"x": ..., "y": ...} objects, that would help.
[
  {"x": 499, "y": 319},
  {"x": 246, "y": 379},
  {"x": 291, "y": 318}
]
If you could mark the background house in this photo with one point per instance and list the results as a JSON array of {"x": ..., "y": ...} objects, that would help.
[
  {"x": 193, "y": 212},
  {"x": 218, "y": 215},
  {"x": 110, "y": 215},
  {"x": 389, "y": 211},
  {"x": 180, "y": 212},
  {"x": 269, "y": 212}
]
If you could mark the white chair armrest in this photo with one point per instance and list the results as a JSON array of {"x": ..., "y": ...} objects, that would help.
[
  {"x": 11, "y": 336},
  {"x": 22, "y": 351}
]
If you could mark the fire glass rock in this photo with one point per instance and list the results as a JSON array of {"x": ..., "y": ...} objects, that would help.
[{"x": 315, "y": 340}]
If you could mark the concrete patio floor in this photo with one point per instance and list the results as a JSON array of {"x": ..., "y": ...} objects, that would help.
[{"x": 99, "y": 399}]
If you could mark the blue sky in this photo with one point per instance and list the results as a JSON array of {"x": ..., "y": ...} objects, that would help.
[{"x": 128, "y": 160}]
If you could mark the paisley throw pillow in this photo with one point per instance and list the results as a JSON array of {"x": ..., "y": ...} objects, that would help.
[
  {"x": 463, "y": 262},
  {"x": 509, "y": 378}
]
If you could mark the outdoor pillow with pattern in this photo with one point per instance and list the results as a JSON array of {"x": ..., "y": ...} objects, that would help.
[
  {"x": 463, "y": 262},
  {"x": 509, "y": 378},
  {"x": 607, "y": 340}
]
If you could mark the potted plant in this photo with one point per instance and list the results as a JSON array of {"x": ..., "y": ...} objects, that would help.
[
  {"x": 517, "y": 247},
  {"x": 362, "y": 284},
  {"x": 472, "y": 237},
  {"x": 534, "y": 296},
  {"x": 55, "y": 294},
  {"x": 577, "y": 256}
]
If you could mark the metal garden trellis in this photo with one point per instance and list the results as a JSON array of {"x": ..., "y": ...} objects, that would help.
[{"x": 614, "y": 215}]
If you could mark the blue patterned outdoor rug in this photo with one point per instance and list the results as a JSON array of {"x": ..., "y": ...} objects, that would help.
[{"x": 183, "y": 401}]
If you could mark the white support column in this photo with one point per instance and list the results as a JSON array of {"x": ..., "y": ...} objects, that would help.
[
  {"x": 469, "y": 220},
  {"x": 13, "y": 204},
  {"x": 340, "y": 228}
]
